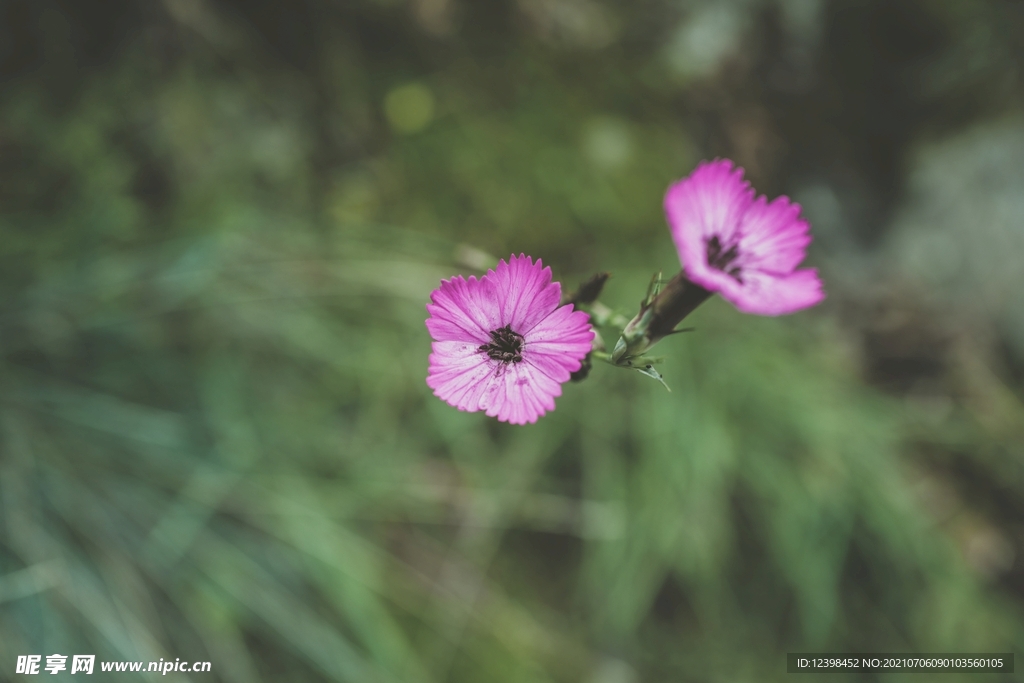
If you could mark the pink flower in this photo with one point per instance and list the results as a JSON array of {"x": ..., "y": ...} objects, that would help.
[
  {"x": 745, "y": 249},
  {"x": 502, "y": 344}
]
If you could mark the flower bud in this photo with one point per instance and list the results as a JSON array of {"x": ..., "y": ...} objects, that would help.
[{"x": 588, "y": 291}]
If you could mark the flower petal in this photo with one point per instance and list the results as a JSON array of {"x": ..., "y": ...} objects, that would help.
[
  {"x": 524, "y": 291},
  {"x": 773, "y": 294},
  {"x": 459, "y": 373},
  {"x": 558, "y": 344},
  {"x": 710, "y": 202},
  {"x": 520, "y": 394},
  {"x": 773, "y": 236},
  {"x": 463, "y": 310}
]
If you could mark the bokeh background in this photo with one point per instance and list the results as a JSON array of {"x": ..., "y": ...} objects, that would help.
[{"x": 220, "y": 221}]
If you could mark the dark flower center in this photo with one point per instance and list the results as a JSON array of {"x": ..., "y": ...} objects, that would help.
[
  {"x": 722, "y": 259},
  {"x": 505, "y": 346}
]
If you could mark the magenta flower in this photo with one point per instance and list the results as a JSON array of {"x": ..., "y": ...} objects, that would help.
[
  {"x": 745, "y": 249},
  {"x": 502, "y": 344}
]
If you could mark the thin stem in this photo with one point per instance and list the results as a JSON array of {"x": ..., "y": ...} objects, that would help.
[{"x": 678, "y": 299}]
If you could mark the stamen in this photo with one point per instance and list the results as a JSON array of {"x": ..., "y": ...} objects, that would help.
[
  {"x": 720, "y": 260},
  {"x": 505, "y": 346}
]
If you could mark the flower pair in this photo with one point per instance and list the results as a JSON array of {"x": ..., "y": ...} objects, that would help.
[{"x": 504, "y": 344}]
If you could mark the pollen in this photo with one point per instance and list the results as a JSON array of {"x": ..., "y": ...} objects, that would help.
[
  {"x": 721, "y": 259},
  {"x": 506, "y": 345}
]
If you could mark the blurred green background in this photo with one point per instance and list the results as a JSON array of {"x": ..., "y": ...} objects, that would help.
[{"x": 220, "y": 221}]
